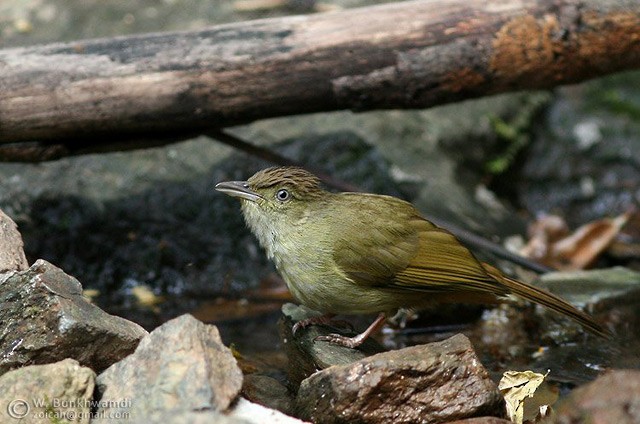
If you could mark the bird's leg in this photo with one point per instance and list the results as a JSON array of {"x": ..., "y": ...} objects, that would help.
[{"x": 352, "y": 342}]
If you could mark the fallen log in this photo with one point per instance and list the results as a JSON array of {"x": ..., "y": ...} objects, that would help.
[{"x": 152, "y": 89}]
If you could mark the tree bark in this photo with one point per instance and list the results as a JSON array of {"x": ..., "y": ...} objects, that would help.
[{"x": 413, "y": 54}]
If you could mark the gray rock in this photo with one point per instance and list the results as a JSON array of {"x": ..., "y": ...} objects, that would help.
[
  {"x": 182, "y": 416},
  {"x": 268, "y": 392},
  {"x": 612, "y": 398},
  {"x": 307, "y": 356},
  {"x": 258, "y": 414},
  {"x": 611, "y": 295},
  {"x": 12, "y": 256},
  {"x": 589, "y": 287},
  {"x": 181, "y": 366},
  {"x": 59, "y": 392},
  {"x": 44, "y": 319},
  {"x": 243, "y": 412},
  {"x": 438, "y": 382}
]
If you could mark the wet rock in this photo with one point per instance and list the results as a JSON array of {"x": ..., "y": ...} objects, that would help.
[
  {"x": 583, "y": 159},
  {"x": 182, "y": 366},
  {"x": 612, "y": 398},
  {"x": 59, "y": 392},
  {"x": 307, "y": 356},
  {"x": 611, "y": 295},
  {"x": 438, "y": 382},
  {"x": 267, "y": 391},
  {"x": 12, "y": 256},
  {"x": 44, "y": 319},
  {"x": 589, "y": 287}
]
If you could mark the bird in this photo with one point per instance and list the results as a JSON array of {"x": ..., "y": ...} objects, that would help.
[{"x": 359, "y": 253}]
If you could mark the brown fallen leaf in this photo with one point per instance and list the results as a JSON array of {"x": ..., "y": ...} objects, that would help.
[{"x": 551, "y": 244}]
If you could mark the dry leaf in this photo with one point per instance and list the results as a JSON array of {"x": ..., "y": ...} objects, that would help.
[
  {"x": 549, "y": 243},
  {"x": 145, "y": 297},
  {"x": 582, "y": 248},
  {"x": 517, "y": 387},
  {"x": 90, "y": 294}
]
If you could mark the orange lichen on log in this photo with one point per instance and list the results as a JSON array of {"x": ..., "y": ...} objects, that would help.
[
  {"x": 462, "y": 79},
  {"x": 525, "y": 48},
  {"x": 616, "y": 33},
  {"x": 543, "y": 51}
]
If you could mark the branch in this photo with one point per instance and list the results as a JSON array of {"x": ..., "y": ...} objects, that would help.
[{"x": 159, "y": 88}]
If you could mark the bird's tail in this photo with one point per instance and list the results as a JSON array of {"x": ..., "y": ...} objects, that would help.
[{"x": 548, "y": 300}]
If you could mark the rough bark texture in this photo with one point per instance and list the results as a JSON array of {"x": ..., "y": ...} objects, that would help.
[{"x": 411, "y": 54}]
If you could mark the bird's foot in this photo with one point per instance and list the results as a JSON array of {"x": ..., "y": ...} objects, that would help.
[
  {"x": 326, "y": 319},
  {"x": 350, "y": 342},
  {"x": 355, "y": 341}
]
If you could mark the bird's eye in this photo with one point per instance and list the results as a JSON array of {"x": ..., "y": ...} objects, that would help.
[{"x": 283, "y": 195}]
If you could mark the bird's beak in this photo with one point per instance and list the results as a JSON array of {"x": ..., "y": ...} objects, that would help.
[{"x": 238, "y": 189}]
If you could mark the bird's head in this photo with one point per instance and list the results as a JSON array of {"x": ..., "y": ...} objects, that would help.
[{"x": 275, "y": 198}]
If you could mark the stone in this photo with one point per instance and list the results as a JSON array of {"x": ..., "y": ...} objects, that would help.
[
  {"x": 611, "y": 295},
  {"x": 481, "y": 420},
  {"x": 258, "y": 414},
  {"x": 242, "y": 412},
  {"x": 59, "y": 392},
  {"x": 437, "y": 382},
  {"x": 12, "y": 256},
  {"x": 44, "y": 318},
  {"x": 181, "y": 366},
  {"x": 613, "y": 397},
  {"x": 307, "y": 356},
  {"x": 181, "y": 416},
  {"x": 268, "y": 392}
]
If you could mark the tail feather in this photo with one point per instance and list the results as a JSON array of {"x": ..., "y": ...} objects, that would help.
[{"x": 548, "y": 300}]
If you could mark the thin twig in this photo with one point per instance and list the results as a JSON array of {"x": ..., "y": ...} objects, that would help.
[{"x": 270, "y": 156}]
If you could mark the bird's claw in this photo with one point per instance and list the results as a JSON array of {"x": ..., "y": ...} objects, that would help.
[{"x": 350, "y": 342}]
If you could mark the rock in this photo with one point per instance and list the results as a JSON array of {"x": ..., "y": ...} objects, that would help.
[
  {"x": 611, "y": 295},
  {"x": 612, "y": 398},
  {"x": 593, "y": 286},
  {"x": 268, "y": 392},
  {"x": 181, "y": 416},
  {"x": 243, "y": 412},
  {"x": 575, "y": 161},
  {"x": 438, "y": 382},
  {"x": 181, "y": 366},
  {"x": 258, "y": 414},
  {"x": 59, "y": 392},
  {"x": 481, "y": 420},
  {"x": 307, "y": 356},
  {"x": 12, "y": 256},
  {"x": 44, "y": 319}
]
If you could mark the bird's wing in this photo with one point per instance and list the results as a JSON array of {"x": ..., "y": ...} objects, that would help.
[
  {"x": 405, "y": 251},
  {"x": 443, "y": 264}
]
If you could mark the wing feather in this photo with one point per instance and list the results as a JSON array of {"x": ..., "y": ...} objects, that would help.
[{"x": 406, "y": 251}]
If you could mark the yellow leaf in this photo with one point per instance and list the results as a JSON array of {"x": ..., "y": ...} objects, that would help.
[{"x": 516, "y": 387}]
